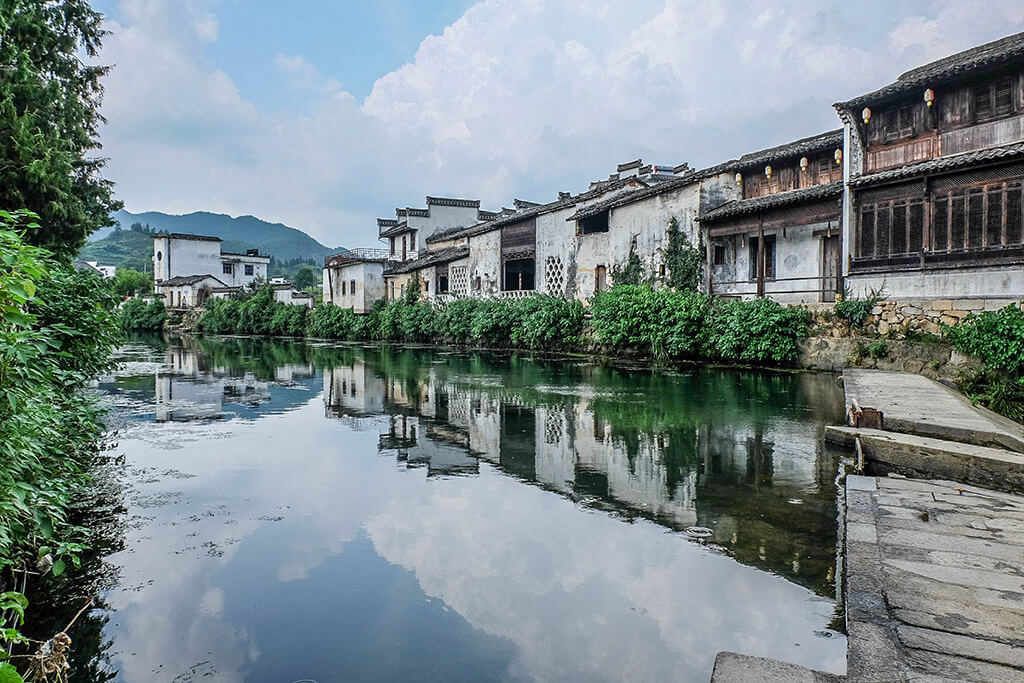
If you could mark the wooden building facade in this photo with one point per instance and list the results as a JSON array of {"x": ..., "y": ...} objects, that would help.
[{"x": 935, "y": 179}]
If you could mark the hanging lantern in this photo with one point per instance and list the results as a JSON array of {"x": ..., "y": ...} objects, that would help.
[
  {"x": 838, "y": 156},
  {"x": 866, "y": 114},
  {"x": 767, "y": 171},
  {"x": 929, "y": 96},
  {"x": 803, "y": 163},
  {"x": 739, "y": 178}
]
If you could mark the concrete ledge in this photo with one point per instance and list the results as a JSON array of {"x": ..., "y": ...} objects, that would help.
[
  {"x": 735, "y": 668},
  {"x": 924, "y": 457}
]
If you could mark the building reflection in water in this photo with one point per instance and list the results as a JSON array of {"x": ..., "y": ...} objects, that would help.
[
  {"x": 740, "y": 453},
  {"x": 195, "y": 385}
]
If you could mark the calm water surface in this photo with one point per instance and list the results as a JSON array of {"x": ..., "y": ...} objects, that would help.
[{"x": 287, "y": 512}]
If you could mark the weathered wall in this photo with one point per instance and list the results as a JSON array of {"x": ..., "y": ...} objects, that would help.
[
  {"x": 441, "y": 218},
  {"x": 485, "y": 263},
  {"x": 369, "y": 285},
  {"x": 926, "y": 314},
  {"x": 186, "y": 257},
  {"x": 237, "y": 277},
  {"x": 955, "y": 283},
  {"x": 798, "y": 254}
]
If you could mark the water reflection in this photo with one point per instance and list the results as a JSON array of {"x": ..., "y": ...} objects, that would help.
[
  {"x": 740, "y": 453},
  {"x": 462, "y": 517}
]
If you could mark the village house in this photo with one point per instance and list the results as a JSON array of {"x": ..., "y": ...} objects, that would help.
[
  {"x": 287, "y": 294},
  {"x": 781, "y": 236},
  {"x": 933, "y": 207},
  {"x": 569, "y": 247},
  {"x": 189, "y": 268}
]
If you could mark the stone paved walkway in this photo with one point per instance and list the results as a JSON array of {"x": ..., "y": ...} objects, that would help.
[
  {"x": 913, "y": 404},
  {"x": 935, "y": 581}
]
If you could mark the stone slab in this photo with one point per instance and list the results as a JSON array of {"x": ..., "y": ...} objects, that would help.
[
  {"x": 736, "y": 668},
  {"x": 913, "y": 404},
  {"x": 921, "y": 456},
  {"x": 928, "y": 601}
]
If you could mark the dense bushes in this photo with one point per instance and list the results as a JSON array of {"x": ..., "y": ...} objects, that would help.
[
  {"x": 139, "y": 316},
  {"x": 57, "y": 330},
  {"x": 659, "y": 322},
  {"x": 666, "y": 324},
  {"x": 997, "y": 338},
  {"x": 258, "y": 314}
]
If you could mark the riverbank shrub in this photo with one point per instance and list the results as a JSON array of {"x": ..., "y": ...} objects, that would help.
[
  {"x": 257, "y": 313},
  {"x": 139, "y": 316},
  {"x": 57, "y": 331},
  {"x": 761, "y": 331},
  {"x": 997, "y": 338}
]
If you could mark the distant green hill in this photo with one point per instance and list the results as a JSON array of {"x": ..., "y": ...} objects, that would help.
[{"x": 134, "y": 249}]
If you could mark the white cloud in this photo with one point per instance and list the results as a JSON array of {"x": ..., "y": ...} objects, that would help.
[{"x": 513, "y": 99}]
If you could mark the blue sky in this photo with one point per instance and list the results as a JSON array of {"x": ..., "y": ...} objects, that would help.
[{"x": 323, "y": 115}]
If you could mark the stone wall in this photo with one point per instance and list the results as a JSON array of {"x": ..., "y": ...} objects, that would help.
[{"x": 926, "y": 315}]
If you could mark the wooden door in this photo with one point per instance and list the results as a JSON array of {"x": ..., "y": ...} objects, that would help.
[
  {"x": 600, "y": 279},
  {"x": 830, "y": 267}
]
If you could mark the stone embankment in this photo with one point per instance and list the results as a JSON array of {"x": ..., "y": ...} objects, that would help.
[{"x": 934, "y": 541}]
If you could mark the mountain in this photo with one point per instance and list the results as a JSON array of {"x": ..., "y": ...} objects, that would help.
[{"x": 245, "y": 232}]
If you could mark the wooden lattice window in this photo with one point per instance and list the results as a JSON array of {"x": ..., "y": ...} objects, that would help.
[
  {"x": 898, "y": 123},
  {"x": 893, "y": 227},
  {"x": 983, "y": 217},
  {"x": 993, "y": 99}
]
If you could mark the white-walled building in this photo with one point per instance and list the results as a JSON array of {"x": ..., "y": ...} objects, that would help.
[
  {"x": 287, "y": 294},
  {"x": 185, "y": 260},
  {"x": 355, "y": 279}
]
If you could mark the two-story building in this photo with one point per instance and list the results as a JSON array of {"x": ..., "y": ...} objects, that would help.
[
  {"x": 934, "y": 207},
  {"x": 188, "y": 268},
  {"x": 781, "y": 234}
]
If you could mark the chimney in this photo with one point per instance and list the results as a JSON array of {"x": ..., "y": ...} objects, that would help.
[{"x": 252, "y": 252}]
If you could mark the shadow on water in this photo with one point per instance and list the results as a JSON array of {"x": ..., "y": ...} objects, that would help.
[{"x": 738, "y": 452}]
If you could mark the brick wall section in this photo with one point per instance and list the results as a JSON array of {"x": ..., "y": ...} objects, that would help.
[{"x": 925, "y": 316}]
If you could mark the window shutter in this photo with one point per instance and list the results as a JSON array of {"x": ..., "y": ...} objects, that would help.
[
  {"x": 1004, "y": 99},
  {"x": 982, "y": 102},
  {"x": 975, "y": 219}
]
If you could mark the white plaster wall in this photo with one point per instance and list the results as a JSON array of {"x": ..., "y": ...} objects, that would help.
[
  {"x": 354, "y": 389},
  {"x": 961, "y": 283},
  {"x": 485, "y": 263},
  {"x": 369, "y": 279},
  {"x": 187, "y": 257},
  {"x": 441, "y": 218},
  {"x": 798, "y": 254},
  {"x": 238, "y": 278},
  {"x": 646, "y": 221}
]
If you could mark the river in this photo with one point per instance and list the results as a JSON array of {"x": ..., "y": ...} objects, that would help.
[{"x": 280, "y": 511}]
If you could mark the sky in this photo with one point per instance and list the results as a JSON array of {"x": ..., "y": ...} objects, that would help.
[{"x": 325, "y": 114}]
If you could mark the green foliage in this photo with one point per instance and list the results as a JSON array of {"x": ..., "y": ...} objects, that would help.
[
  {"x": 50, "y": 94},
  {"x": 139, "y": 316},
  {"x": 997, "y": 338},
  {"x": 57, "y": 329},
  {"x": 126, "y": 249},
  {"x": 257, "y": 314},
  {"x": 305, "y": 278},
  {"x": 878, "y": 350},
  {"x": 129, "y": 282},
  {"x": 684, "y": 262},
  {"x": 856, "y": 311},
  {"x": 668, "y": 324},
  {"x": 761, "y": 331},
  {"x": 632, "y": 273}
]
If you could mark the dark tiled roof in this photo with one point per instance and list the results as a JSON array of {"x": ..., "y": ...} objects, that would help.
[
  {"x": 523, "y": 204},
  {"x": 429, "y": 259},
  {"x": 182, "y": 280},
  {"x": 660, "y": 187},
  {"x": 742, "y": 207},
  {"x": 220, "y": 290},
  {"x": 183, "y": 236},
  {"x": 229, "y": 253},
  {"x": 487, "y": 215},
  {"x": 941, "y": 164},
  {"x": 396, "y": 229},
  {"x": 387, "y": 222},
  {"x": 815, "y": 143},
  {"x": 629, "y": 165},
  {"x": 450, "y": 201},
  {"x": 453, "y": 233},
  {"x": 596, "y": 190},
  {"x": 982, "y": 57}
]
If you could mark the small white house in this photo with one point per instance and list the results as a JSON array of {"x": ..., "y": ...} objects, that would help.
[
  {"x": 188, "y": 291},
  {"x": 286, "y": 294},
  {"x": 181, "y": 255}
]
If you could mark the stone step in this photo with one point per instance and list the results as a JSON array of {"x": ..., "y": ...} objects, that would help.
[
  {"x": 735, "y": 668},
  {"x": 930, "y": 458},
  {"x": 912, "y": 404}
]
